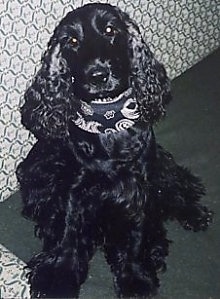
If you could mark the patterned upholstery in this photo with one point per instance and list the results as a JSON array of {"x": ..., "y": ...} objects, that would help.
[
  {"x": 179, "y": 32},
  {"x": 13, "y": 283}
]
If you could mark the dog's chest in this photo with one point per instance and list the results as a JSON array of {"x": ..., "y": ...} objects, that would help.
[{"x": 114, "y": 152}]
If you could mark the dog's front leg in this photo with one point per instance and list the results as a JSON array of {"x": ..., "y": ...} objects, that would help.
[
  {"x": 124, "y": 245},
  {"x": 63, "y": 217},
  {"x": 59, "y": 272}
]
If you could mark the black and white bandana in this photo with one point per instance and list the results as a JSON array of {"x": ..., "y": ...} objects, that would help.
[{"x": 108, "y": 115}]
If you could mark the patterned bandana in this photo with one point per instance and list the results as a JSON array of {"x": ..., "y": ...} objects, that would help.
[{"x": 108, "y": 115}]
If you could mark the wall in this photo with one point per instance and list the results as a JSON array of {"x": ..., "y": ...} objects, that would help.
[{"x": 179, "y": 32}]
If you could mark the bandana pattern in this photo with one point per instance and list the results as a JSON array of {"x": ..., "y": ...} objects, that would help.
[{"x": 108, "y": 115}]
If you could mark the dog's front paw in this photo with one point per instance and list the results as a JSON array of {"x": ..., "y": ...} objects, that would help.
[
  {"x": 199, "y": 220},
  {"x": 132, "y": 285},
  {"x": 50, "y": 278}
]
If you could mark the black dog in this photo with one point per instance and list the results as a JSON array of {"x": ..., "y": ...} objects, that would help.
[{"x": 96, "y": 177}]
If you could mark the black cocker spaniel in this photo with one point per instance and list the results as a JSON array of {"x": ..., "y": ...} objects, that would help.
[{"x": 96, "y": 178}]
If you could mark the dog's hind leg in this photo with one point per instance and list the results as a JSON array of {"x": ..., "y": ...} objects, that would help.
[{"x": 177, "y": 192}]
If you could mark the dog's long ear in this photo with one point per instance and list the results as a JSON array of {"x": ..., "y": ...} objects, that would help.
[
  {"x": 47, "y": 106},
  {"x": 148, "y": 76}
]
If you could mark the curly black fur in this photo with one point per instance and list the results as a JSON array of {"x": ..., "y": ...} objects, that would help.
[{"x": 86, "y": 190}]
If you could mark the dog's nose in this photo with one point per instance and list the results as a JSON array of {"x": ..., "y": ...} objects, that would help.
[{"x": 98, "y": 75}]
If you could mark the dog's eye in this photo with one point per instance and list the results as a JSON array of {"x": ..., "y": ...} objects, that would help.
[
  {"x": 74, "y": 41},
  {"x": 110, "y": 30}
]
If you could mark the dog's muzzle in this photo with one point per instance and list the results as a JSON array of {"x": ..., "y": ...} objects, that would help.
[{"x": 110, "y": 115}]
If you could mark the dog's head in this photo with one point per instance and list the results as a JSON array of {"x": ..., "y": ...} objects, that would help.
[
  {"x": 94, "y": 42},
  {"x": 96, "y": 51}
]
